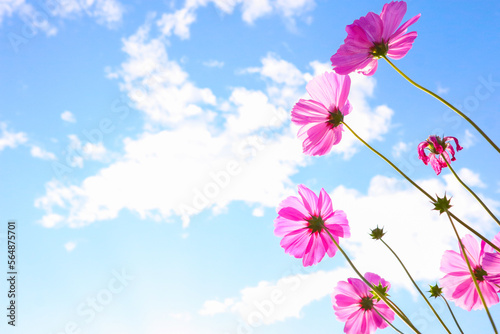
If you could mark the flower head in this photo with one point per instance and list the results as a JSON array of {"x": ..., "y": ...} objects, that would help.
[
  {"x": 435, "y": 290},
  {"x": 442, "y": 204},
  {"x": 439, "y": 150},
  {"x": 303, "y": 223},
  {"x": 374, "y": 36},
  {"x": 320, "y": 118},
  {"x": 458, "y": 285},
  {"x": 355, "y": 305},
  {"x": 377, "y": 233}
]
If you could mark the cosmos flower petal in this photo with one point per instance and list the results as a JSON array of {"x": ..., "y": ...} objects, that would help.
[
  {"x": 309, "y": 111},
  {"x": 405, "y": 26},
  {"x": 329, "y": 89},
  {"x": 391, "y": 16},
  {"x": 398, "y": 48},
  {"x": 309, "y": 198}
]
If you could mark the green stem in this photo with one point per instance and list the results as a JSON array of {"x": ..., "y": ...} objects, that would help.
[
  {"x": 495, "y": 247},
  {"x": 421, "y": 190},
  {"x": 386, "y": 300},
  {"x": 449, "y": 105},
  {"x": 464, "y": 252},
  {"x": 390, "y": 163},
  {"x": 453, "y": 315},
  {"x": 416, "y": 286},
  {"x": 471, "y": 191}
]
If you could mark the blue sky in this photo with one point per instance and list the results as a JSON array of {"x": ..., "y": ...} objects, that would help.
[{"x": 145, "y": 145}]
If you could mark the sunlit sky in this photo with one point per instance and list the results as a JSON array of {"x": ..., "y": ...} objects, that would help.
[{"x": 144, "y": 147}]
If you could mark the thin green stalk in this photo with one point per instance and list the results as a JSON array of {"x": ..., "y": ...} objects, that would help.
[
  {"x": 471, "y": 191},
  {"x": 495, "y": 247},
  {"x": 453, "y": 315},
  {"x": 416, "y": 286},
  {"x": 387, "y": 321},
  {"x": 462, "y": 247},
  {"x": 390, "y": 163},
  {"x": 386, "y": 300},
  {"x": 421, "y": 190},
  {"x": 449, "y": 105}
]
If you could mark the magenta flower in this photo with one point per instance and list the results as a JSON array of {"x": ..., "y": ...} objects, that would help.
[
  {"x": 322, "y": 116},
  {"x": 438, "y": 148},
  {"x": 458, "y": 285},
  {"x": 355, "y": 305},
  {"x": 302, "y": 222},
  {"x": 491, "y": 264},
  {"x": 374, "y": 36}
]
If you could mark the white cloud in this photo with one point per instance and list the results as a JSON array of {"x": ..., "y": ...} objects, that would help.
[
  {"x": 211, "y": 307},
  {"x": 468, "y": 140},
  {"x": 11, "y": 139},
  {"x": 41, "y": 17},
  {"x": 70, "y": 246},
  {"x": 416, "y": 233},
  {"x": 9, "y": 7},
  {"x": 95, "y": 152},
  {"x": 184, "y": 164},
  {"x": 258, "y": 212},
  {"x": 176, "y": 173},
  {"x": 106, "y": 12},
  {"x": 253, "y": 112},
  {"x": 279, "y": 71},
  {"x": 470, "y": 178},
  {"x": 68, "y": 116},
  {"x": 442, "y": 90},
  {"x": 213, "y": 63},
  {"x": 400, "y": 148},
  {"x": 184, "y": 316},
  {"x": 179, "y": 21},
  {"x": 38, "y": 152},
  {"x": 148, "y": 72},
  {"x": 77, "y": 152}
]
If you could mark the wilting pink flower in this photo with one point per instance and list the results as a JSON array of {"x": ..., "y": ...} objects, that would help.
[
  {"x": 302, "y": 222},
  {"x": 438, "y": 148},
  {"x": 355, "y": 305},
  {"x": 458, "y": 285},
  {"x": 374, "y": 36},
  {"x": 322, "y": 116}
]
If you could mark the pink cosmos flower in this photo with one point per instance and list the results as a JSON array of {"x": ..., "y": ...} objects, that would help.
[
  {"x": 322, "y": 116},
  {"x": 437, "y": 149},
  {"x": 355, "y": 305},
  {"x": 302, "y": 222},
  {"x": 458, "y": 285},
  {"x": 491, "y": 264},
  {"x": 372, "y": 37}
]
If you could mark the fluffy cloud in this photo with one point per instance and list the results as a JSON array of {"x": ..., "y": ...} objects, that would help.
[
  {"x": 38, "y": 152},
  {"x": 179, "y": 21},
  {"x": 41, "y": 17},
  {"x": 68, "y": 116},
  {"x": 211, "y": 307},
  {"x": 10, "y": 139},
  {"x": 187, "y": 160},
  {"x": 70, "y": 246},
  {"x": 158, "y": 86}
]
